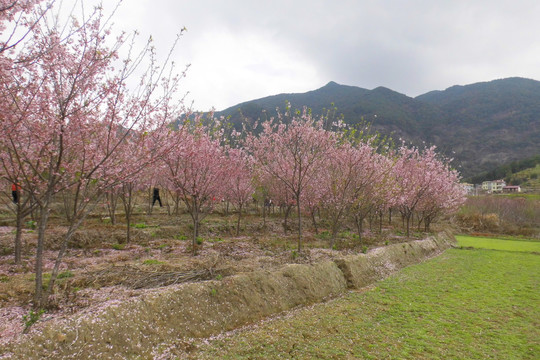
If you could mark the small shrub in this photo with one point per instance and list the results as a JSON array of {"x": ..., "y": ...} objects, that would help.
[
  {"x": 364, "y": 249},
  {"x": 140, "y": 226},
  {"x": 348, "y": 235},
  {"x": 31, "y": 319},
  {"x": 199, "y": 240},
  {"x": 118, "y": 246},
  {"x": 219, "y": 277},
  {"x": 294, "y": 254},
  {"x": 213, "y": 292},
  {"x": 323, "y": 235},
  {"x": 65, "y": 274},
  {"x": 31, "y": 224},
  {"x": 4, "y": 278},
  {"x": 180, "y": 237}
]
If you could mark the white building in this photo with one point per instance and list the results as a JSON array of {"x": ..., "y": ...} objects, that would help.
[{"x": 493, "y": 186}]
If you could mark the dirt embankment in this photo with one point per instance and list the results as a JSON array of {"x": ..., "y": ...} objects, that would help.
[{"x": 136, "y": 328}]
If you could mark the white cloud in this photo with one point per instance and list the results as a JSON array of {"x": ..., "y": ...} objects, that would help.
[
  {"x": 244, "y": 49},
  {"x": 232, "y": 69}
]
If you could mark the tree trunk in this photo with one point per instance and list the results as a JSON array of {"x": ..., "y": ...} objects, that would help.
[
  {"x": 333, "y": 236},
  {"x": 359, "y": 221},
  {"x": 408, "y": 223},
  {"x": 264, "y": 216},
  {"x": 18, "y": 235},
  {"x": 129, "y": 203},
  {"x": 177, "y": 204},
  {"x": 427, "y": 223},
  {"x": 128, "y": 229},
  {"x": 299, "y": 223},
  {"x": 239, "y": 217},
  {"x": 150, "y": 199},
  {"x": 112, "y": 201},
  {"x": 314, "y": 221},
  {"x": 285, "y": 221},
  {"x": 44, "y": 215},
  {"x": 195, "y": 226},
  {"x": 58, "y": 262}
]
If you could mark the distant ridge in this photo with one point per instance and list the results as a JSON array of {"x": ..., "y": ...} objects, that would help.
[{"x": 481, "y": 125}]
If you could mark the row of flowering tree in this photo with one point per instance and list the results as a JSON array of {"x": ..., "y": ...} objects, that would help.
[
  {"x": 302, "y": 164},
  {"x": 71, "y": 125}
]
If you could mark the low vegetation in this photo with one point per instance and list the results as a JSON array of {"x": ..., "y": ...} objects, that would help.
[
  {"x": 513, "y": 214},
  {"x": 528, "y": 178}
]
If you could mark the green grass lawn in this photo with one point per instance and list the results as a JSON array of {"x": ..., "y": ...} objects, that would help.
[
  {"x": 464, "y": 304},
  {"x": 498, "y": 244}
]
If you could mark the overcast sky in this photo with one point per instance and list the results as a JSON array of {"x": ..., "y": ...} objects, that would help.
[{"x": 241, "y": 50}]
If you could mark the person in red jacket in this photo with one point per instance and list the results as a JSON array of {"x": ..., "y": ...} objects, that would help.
[{"x": 16, "y": 193}]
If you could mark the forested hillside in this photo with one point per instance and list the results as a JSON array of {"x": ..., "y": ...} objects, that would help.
[{"x": 482, "y": 126}]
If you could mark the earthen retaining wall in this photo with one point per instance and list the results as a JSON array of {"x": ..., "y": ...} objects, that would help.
[{"x": 134, "y": 328}]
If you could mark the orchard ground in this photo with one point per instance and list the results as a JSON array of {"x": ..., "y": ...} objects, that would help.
[{"x": 100, "y": 267}]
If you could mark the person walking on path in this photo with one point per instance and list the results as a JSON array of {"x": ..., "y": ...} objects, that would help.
[{"x": 156, "y": 197}]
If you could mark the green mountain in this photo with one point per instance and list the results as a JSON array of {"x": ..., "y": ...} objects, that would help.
[{"x": 481, "y": 125}]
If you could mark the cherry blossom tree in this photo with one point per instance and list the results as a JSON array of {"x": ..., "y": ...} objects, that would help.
[
  {"x": 197, "y": 171},
  {"x": 71, "y": 117},
  {"x": 348, "y": 182},
  {"x": 239, "y": 177},
  {"x": 292, "y": 153},
  {"x": 444, "y": 194},
  {"x": 273, "y": 189},
  {"x": 18, "y": 18},
  {"x": 385, "y": 189},
  {"x": 420, "y": 178},
  {"x": 367, "y": 187},
  {"x": 312, "y": 197}
]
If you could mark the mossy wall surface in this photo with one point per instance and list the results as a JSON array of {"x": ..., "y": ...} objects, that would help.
[{"x": 134, "y": 328}]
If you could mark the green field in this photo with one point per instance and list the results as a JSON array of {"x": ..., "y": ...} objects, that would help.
[
  {"x": 498, "y": 244},
  {"x": 464, "y": 304}
]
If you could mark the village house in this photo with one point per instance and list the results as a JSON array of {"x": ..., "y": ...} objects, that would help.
[
  {"x": 493, "y": 186},
  {"x": 511, "y": 189}
]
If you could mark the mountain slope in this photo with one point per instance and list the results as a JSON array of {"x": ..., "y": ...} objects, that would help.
[{"x": 480, "y": 125}]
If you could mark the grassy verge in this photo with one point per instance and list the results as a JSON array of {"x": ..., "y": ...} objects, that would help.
[
  {"x": 498, "y": 244},
  {"x": 464, "y": 304}
]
